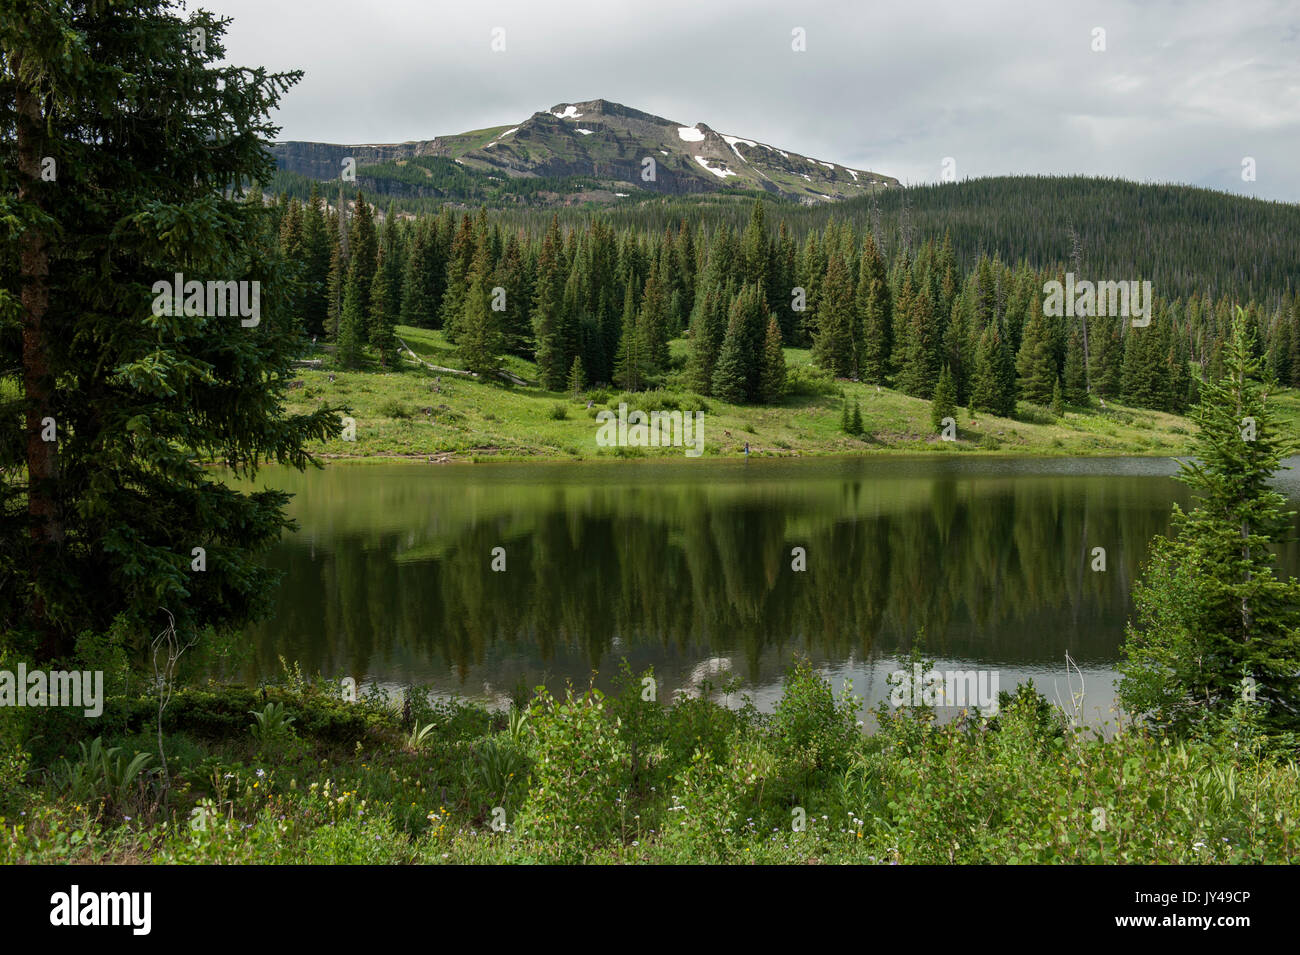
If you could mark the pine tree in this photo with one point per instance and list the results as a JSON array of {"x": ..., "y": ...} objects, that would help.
[
  {"x": 919, "y": 372},
  {"x": 654, "y": 318},
  {"x": 351, "y": 323},
  {"x": 548, "y": 307},
  {"x": 855, "y": 422},
  {"x": 630, "y": 366},
  {"x": 336, "y": 284},
  {"x": 875, "y": 316},
  {"x": 833, "y": 343},
  {"x": 1035, "y": 364},
  {"x": 382, "y": 337},
  {"x": 1058, "y": 401},
  {"x": 100, "y": 524},
  {"x": 739, "y": 372},
  {"x": 944, "y": 403},
  {"x": 417, "y": 301},
  {"x": 480, "y": 341},
  {"x": 772, "y": 386},
  {"x": 291, "y": 246},
  {"x": 707, "y": 333},
  {"x": 577, "y": 380},
  {"x": 993, "y": 388},
  {"x": 1075, "y": 385},
  {"x": 956, "y": 349},
  {"x": 515, "y": 324},
  {"x": 1294, "y": 362},
  {"x": 1212, "y": 614},
  {"x": 363, "y": 248},
  {"x": 316, "y": 265},
  {"x": 1109, "y": 377},
  {"x": 754, "y": 249},
  {"x": 459, "y": 263}
]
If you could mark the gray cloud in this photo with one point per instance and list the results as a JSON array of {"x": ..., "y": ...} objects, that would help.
[{"x": 1183, "y": 92}]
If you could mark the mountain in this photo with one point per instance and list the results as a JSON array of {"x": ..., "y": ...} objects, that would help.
[{"x": 589, "y": 151}]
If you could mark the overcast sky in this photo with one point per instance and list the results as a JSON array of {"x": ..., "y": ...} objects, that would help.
[{"x": 1183, "y": 92}]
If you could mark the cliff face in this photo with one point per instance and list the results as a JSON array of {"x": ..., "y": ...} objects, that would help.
[
  {"x": 609, "y": 142},
  {"x": 325, "y": 160}
]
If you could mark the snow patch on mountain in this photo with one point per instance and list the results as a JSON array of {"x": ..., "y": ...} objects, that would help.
[
  {"x": 732, "y": 140},
  {"x": 720, "y": 173},
  {"x": 570, "y": 112},
  {"x": 689, "y": 134}
]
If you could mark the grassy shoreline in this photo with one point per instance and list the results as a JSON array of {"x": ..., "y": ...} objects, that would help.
[
  {"x": 414, "y": 413},
  {"x": 293, "y": 774}
]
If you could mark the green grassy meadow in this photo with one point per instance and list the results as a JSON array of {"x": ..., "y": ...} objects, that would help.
[{"x": 412, "y": 411}]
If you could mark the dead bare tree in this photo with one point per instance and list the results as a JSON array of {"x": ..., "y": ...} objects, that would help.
[{"x": 169, "y": 643}]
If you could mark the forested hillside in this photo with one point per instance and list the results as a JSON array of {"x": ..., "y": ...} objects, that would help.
[{"x": 878, "y": 294}]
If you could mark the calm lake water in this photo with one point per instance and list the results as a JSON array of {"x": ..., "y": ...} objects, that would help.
[{"x": 686, "y": 566}]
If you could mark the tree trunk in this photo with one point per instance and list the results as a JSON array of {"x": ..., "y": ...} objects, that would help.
[{"x": 46, "y": 526}]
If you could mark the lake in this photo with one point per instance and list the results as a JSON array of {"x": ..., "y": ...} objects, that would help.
[{"x": 686, "y": 566}]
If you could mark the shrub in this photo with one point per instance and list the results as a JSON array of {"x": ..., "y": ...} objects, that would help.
[
  {"x": 810, "y": 730},
  {"x": 579, "y": 772},
  {"x": 559, "y": 411},
  {"x": 1034, "y": 414},
  {"x": 808, "y": 381}
]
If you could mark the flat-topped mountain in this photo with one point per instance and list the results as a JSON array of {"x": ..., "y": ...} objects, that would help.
[{"x": 604, "y": 148}]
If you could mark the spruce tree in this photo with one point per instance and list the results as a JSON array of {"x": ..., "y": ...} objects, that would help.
[
  {"x": 754, "y": 249},
  {"x": 363, "y": 249},
  {"x": 653, "y": 319},
  {"x": 875, "y": 316},
  {"x": 548, "y": 307},
  {"x": 993, "y": 387},
  {"x": 944, "y": 403},
  {"x": 1035, "y": 364},
  {"x": 1075, "y": 385},
  {"x": 918, "y": 371},
  {"x": 459, "y": 263},
  {"x": 577, "y": 379},
  {"x": 630, "y": 365},
  {"x": 350, "y": 342},
  {"x": 1215, "y": 624},
  {"x": 382, "y": 337},
  {"x": 707, "y": 333},
  {"x": 336, "y": 283},
  {"x": 772, "y": 385},
  {"x": 316, "y": 265},
  {"x": 147, "y": 134},
  {"x": 417, "y": 308},
  {"x": 480, "y": 341},
  {"x": 833, "y": 343}
]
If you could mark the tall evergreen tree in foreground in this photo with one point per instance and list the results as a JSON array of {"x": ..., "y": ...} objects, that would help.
[
  {"x": 1214, "y": 624},
  {"x": 118, "y": 393}
]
